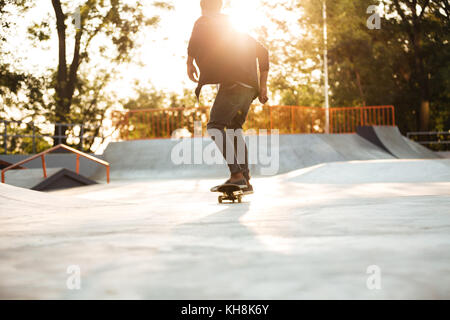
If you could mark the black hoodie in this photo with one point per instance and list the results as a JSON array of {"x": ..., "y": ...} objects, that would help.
[{"x": 224, "y": 55}]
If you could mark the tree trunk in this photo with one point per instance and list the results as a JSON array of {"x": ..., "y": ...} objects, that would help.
[
  {"x": 415, "y": 33},
  {"x": 424, "y": 114},
  {"x": 66, "y": 77},
  {"x": 60, "y": 88},
  {"x": 424, "y": 118}
]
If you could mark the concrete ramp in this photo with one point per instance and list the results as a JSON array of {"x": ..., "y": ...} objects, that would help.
[
  {"x": 391, "y": 140},
  {"x": 28, "y": 178},
  {"x": 144, "y": 159},
  {"x": 57, "y": 178}
]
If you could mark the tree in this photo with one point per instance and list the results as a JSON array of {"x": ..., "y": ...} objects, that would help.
[
  {"x": 404, "y": 63},
  {"x": 14, "y": 85},
  {"x": 295, "y": 53},
  {"x": 105, "y": 31},
  {"x": 114, "y": 20},
  {"x": 417, "y": 20},
  {"x": 9, "y": 80},
  {"x": 151, "y": 107}
]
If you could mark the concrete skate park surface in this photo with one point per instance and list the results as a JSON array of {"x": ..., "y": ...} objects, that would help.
[
  {"x": 311, "y": 233},
  {"x": 339, "y": 205}
]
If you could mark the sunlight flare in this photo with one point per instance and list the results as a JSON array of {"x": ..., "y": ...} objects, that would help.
[{"x": 246, "y": 15}]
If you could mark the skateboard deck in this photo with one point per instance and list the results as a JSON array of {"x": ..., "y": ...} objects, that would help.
[{"x": 230, "y": 192}]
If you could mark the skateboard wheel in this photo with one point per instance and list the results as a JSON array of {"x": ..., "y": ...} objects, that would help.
[
  {"x": 220, "y": 199},
  {"x": 240, "y": 199}
]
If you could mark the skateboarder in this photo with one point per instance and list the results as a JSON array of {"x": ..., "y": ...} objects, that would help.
[{"x": 228, "y": 58}]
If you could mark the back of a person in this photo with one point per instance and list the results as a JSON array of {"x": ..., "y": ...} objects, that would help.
[
  {"x": 229, "y": 58},
  {"x": 223, "y": 54}
]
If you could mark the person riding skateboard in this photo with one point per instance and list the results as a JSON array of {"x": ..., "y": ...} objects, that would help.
[{"x": 229, "y": 59}]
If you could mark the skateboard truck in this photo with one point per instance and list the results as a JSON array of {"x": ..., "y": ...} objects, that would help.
[
  {"x": 230, "y": 192},
  {"x": 233, "y": 197}
]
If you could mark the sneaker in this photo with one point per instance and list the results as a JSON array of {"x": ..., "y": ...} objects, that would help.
[
  {"x": 214, "y": 189},
  {"x": 241, "y": 183}
]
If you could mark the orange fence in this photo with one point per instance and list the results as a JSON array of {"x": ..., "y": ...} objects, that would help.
[
  {"x": 160, "y": 123},
  {"x": 157, "y": 123},
  {"x": 345, "y": 120},
  {"x": 287, "y": 119}
]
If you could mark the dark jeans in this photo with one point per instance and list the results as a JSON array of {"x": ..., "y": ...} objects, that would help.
[{"x": 230, "y": 111}]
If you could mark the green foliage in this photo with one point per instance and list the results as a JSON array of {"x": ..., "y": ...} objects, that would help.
[
  {"x": 366, "y": 67},
  {"x": 10, "y": 81},
  {"x": 24, "y": 144},
  {"x": 40, "y": 31},
  {"x": 157, "y": 114},
  {"x": 74, "y": 91},
  {"x": 147, "y": 98}
]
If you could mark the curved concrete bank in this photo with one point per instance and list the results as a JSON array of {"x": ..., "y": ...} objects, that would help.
[
  {"x": 148, "y": 159},
  {"x": 391, "y": 140}
]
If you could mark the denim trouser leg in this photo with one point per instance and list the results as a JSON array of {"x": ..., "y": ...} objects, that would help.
[{"x": 230, "y": 111}]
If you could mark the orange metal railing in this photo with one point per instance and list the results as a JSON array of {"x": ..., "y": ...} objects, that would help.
[
  {"x": 157, "y": 123},
  {"x": 60, "y": 146},
  {"x": 289, "y": 119},
  {"x": 345, "y": 120},
  {"x": 160, "y": 123}
]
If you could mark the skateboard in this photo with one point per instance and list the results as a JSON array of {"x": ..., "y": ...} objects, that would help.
[{"x": 230, "y": 192}]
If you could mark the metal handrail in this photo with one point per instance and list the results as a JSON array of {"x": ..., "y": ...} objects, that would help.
[
  {"x": 430, "y": 133},
  {"x": 442, "y": 138},
  {"x": 365, "y": 107},
  {"x": 161, "y": 109},
  {"x": 60, "y": 146}
]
